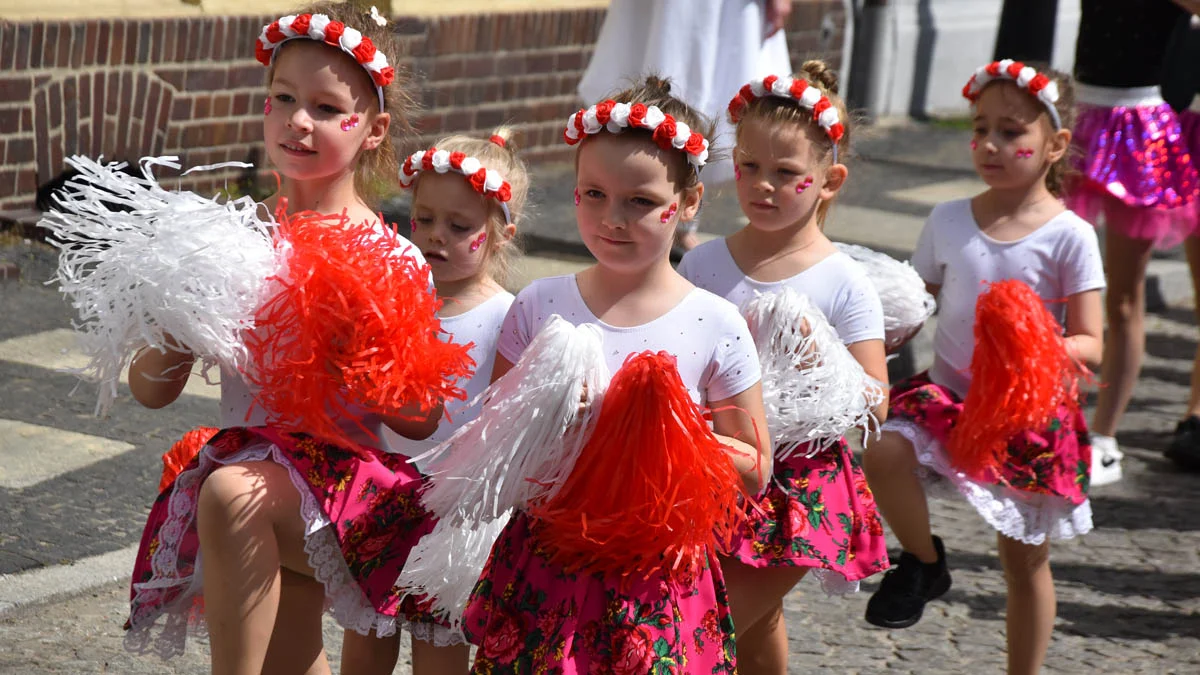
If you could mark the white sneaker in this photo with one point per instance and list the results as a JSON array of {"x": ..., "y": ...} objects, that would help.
[{"x": 1106, "y": 460}]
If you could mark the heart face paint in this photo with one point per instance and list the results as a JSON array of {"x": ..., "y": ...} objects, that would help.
[
  {"x": 737, "y": 172},
  {"x": 808, "y": 181},
  {"x": 413, "y": 223},
  {"x": 576, "y": 196},
  {"x": 478, "y": 242},
  {"x": 1024, "y": 153},
  {"x": 974, "y": 144},
  {"x": 267, "y": 106},
  {"x": 669, "y": 213},
  {"x": 349, "y": 123}
]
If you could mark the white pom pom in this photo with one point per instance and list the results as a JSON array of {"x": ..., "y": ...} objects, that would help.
[
  {"x": 317, "y": 25},
  {"x": 757, "y": 88},
  {"x": 810, "y": 97},
  {"x": 619, "y": 116},
  {"x": 441, "y": 161},
  {"x": 174, "y": 263},
  {"x": 654, "y": 117},
  {"x": 782, "y": 87},
  {"x": 351, "y": 38},
  {"x": 285, "y": 26},
  {"x": 813, "y": 388},
  {"x": 445, "y": 565},
  {"x": 591, "y": 124},
  {"x": 1025, "y": 76},
  {"x": 492, "y": 181},
  {"x": 682, "y": 133},
  {"x": 906, "y": 303},
  {"x": 572, "y": 132},
  {"x": 529, "y": 433}
]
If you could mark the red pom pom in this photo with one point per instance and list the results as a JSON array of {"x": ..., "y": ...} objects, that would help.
[
  {"x": 1020, "y": 374},
  {"x": 478, "y": 180},
  {"x": 427, "y": 159},
  {"x": 365, "y": 51},
  {"x": 456, "y": 160},
  {"x": 993, "y": 69},
  {"x": 695, "y": 144},
  {"x": 836, "y": 131},
  {"x": 385, "y": 76},
  {"x": 798, "y": 87},
  {"x": 747, "y": 93},
  {"x": 821, "y": 106},
  {"x": 664, "y": 135},
  {"x": 275, "y": 34},
  {"x": 333, "y": 33},
  {"x": 604, "y": 111},
  {"x": 182, "y": 453},
  {"x": 736, "y": 106},
  {"x": 769, "y": 82},
  {"x": 1038, "y": 83},
  {"x": 505, "y": 192},
  {"x": 653, "y": 489},
  {"x": 350, "y": 328},
  {"x": 1014, "y": 69},
  {"x": 262, "y": 53}
]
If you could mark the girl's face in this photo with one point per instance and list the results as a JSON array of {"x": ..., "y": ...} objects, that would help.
[
  {"x": 321, "y": 112},
  {"x": 780, "y": 178},
  {"x": 626, "y": 187},
  {"x": 1014, "y": 142},
  {"x": 449, "y": 219}
]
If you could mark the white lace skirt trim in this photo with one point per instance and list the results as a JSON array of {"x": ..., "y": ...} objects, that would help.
[
  {"x": 1027, "y": 517},
  {"x": 344, "y": 598}
]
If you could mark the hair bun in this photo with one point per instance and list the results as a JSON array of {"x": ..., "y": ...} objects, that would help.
[
  {"x": 660, "y": 86},
  {"x": 817, "y": 71},
  {"x": 503, "y": 137}
]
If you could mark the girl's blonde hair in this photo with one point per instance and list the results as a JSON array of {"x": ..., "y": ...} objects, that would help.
[
  {"x": 375, "y": 175},
  {"x": 502, "y": 158},
  {"x": 656, "y": 91},
  {"x": 774, "y": 110},
  {"x": 1065, "y": 107}
]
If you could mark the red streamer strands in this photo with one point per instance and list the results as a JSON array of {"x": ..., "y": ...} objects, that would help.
[
  {"x": 349, "y": 327},
  {"x": 1020, "y": 374},
  {"x": 182, "y": 453},
  {"x": 652, "y": 490}
]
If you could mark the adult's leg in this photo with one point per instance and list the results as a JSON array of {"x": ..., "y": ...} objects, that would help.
[
  {"x": 249, "y": 524},
  {"x": 891, "y": 468},
  {"x": 1125, "y": 309},
  {"x": 1029, "y": 619}
]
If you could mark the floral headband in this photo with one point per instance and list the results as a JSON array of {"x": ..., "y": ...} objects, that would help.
[
  {"x": 668, "y": 132},
  {"x": 333, "y": 33},
  {"x": 1036, "y": 84},
  {"x": 485, "y": 181},
  {"x": 797, "y": 89}
]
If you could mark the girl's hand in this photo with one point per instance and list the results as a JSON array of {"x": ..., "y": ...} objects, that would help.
[{"x": 740, "y": 423}]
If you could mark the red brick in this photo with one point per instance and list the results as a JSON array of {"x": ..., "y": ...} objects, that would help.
[
  {"x": 70, "y": 94},
  {"x": 85, "y": 140},
  {"x": 198, "y": 135},
  {"x": 182, "y": 28},
  {"x": 447, "y": 68},
  {"x": 222, "y": 105},
  {"x": 19, "y": 150},
  {"x": 205, "y": 78},
  {"x": 15, "y": 90},
  {"x": 62, "y": 48},
  {"x": 133, "y": 43},
  {"x": 243, "y": 104},
  {"x": 116, "y": 43},
  {"x": 26, "y": 120},
  {"x": 202, "y": 107},
  {"x": 246, "y": 77},
  {"x": 175, "y": 78},
  {"x": 571, "y": 60},
  {"x": 151, "y": 118},
  {"x": 145, "y": 34},
  {"x": 250, "y": 132},
  {"x": 103, "y": 41},
  {"x": 460, "y": 120}
]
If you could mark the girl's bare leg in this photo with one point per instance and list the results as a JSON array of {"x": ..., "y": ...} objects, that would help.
[{"x": 1029, "y": 619}]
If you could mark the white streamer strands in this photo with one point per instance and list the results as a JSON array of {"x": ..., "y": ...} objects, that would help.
[
  {"x": 906, "y": 303},
  {"x": 813, "y": 388},
  {"x": 445, "y": 565},
  {"x": 139, "y": 263},
  {"x": 534, "y": 422}
]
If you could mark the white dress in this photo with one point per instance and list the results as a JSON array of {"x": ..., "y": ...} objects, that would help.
[{"x": 709, "y": 49}]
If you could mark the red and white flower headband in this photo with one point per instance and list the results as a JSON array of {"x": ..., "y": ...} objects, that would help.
[
  {"x": 798, "y": 89},
  {"x": 485, "y": 181},
  {"x": 668, "y": 132},
  {"x": 333, "y": 33},
  {"x": 1036, "y": 84}
]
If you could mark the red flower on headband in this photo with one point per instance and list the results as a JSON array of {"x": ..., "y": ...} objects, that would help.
[
  {"x": 384, "y": 77},
  {"x": 695, "y": 144},
  {"x": 836, "y": 131},
  {"x": 637, "y": 115},
  {"x": 1038, "y": 83},
  {"x": 274, "y": 33},
  {"x": 365, "y": 51},
  {"x": 261, "y": 53},
  {"x": 1015, "y": 69},
  {"x": 798, "y": 86},
  {"x": 821, "y": 106},
  {"x": 505, "y": 192},
  {"x": 300, "y": 24},
  {"x": 333, "y": 33},
  {"x": 427, "y": 160},
  {"x": 478, "y": 179},
  {"x": 604, "y": 111},
  {"x": 665, "y": 132},
  {"x": 456, "y": 160},
  {"x": 769, "y": 81}
]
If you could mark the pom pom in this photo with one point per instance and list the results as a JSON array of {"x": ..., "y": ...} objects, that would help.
[
  {"x": 814, "y": 389},
  {"x": 529, "y": 432},
  {"x": 653, "y": 490},
  {"x": 444, "y": 566},
  {"x": 140, "y": 263},
  {"x": 1021, "y": 373},
  {"x": 906, "y": 303},
  {"x": 182, "y": 453},
  {"x": 349, "y": 328}
]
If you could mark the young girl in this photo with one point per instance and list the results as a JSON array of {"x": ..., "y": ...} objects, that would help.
[
  {"x": 636, "y": 175},
  {"x": 1134, "y": 177},
  {"x": 1018, "y": 230},
  {"x": 817, "y": 511},
  {"x": 266, "y": 528},
  {"x": 467, "y": 237}
]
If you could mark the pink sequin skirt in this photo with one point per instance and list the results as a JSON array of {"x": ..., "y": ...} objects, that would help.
[
  {"x": 362, "y": 515},
  {"x": 817, "y": 512},
  {"x": 1135, "y": 171}
]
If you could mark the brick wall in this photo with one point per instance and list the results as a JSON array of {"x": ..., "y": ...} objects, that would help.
[{"x": 191, "y": 87}]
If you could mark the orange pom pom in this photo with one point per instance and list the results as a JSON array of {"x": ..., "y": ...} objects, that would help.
[
  {"x": 1021, "y": 373},
  {"x": 652, "y": 490},
  {"x": 351, "y": 328},
  {"x": 182, "y": 453}
]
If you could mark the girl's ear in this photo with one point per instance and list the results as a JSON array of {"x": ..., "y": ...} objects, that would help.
[
  {"x": 835, "y": 178},
  {"x": 379, "y": 131},
  {"x": 692, "y": 198},
  {"x": 510, "y": 230},
  {"x": 1058, "y": 144}
]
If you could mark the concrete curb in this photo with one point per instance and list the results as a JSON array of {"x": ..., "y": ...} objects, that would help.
[{"x": 28, "y": 589}]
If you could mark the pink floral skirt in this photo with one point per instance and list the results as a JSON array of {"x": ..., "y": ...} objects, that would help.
[
  {"x": 1039, "y": 492},
  {"x": 529, "y": 615},
  {"x": 817, "y": 512},
  {"x": 362, "y": 516}
]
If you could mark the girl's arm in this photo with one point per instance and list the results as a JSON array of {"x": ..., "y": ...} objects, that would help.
[
  {"x": 500, "y": 366},
  {"x": 1085, "y": 328},
  {"x": 157, "y": 377},
  {"x": 410, "y": 423},
  {"x": 872, "y": 356},
  {"x": 740, "y": 422}
]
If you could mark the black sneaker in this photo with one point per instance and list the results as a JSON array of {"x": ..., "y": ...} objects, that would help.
[
  {"x": 1184, "y": 449},
  {"x": 906, "y": 588}
]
